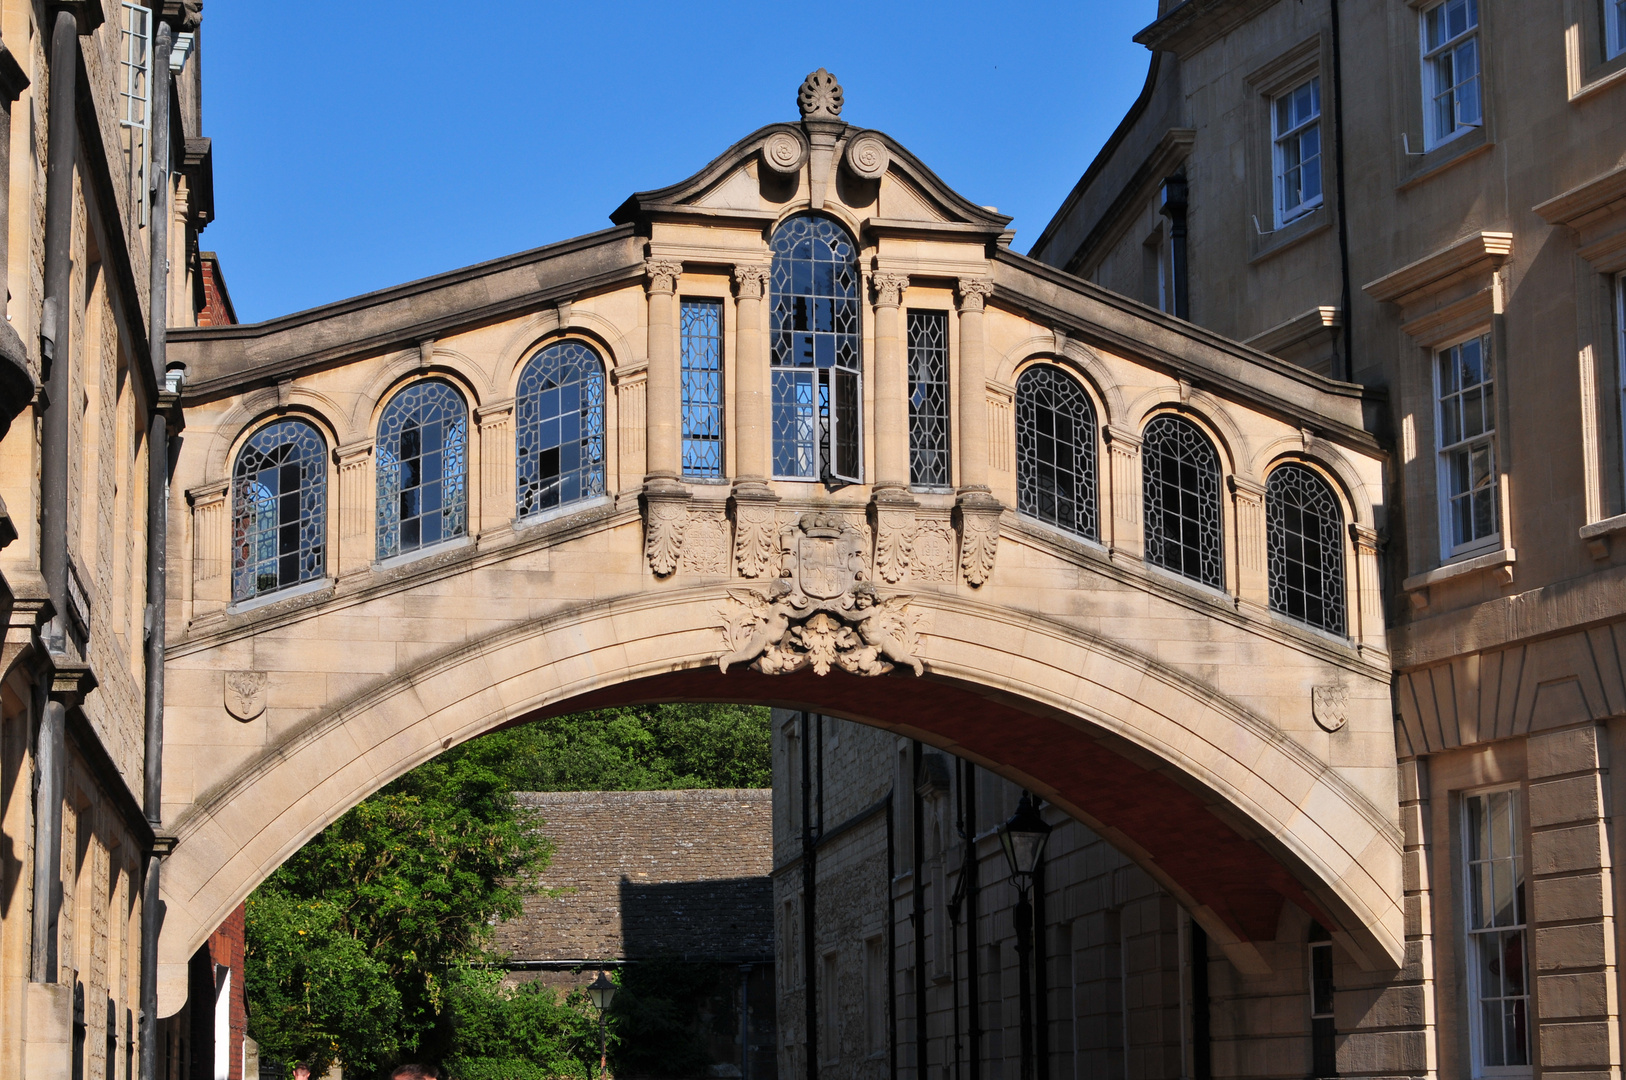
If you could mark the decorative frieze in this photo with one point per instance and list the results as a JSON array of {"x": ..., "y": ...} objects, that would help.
[
  {"x": 496, "y": 426},
  {"x": 706, "y": 545}
]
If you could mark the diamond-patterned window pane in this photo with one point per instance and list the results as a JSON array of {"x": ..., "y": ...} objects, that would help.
[
  {"x": 928, "y": 399},
  {"x": 813, "y": 298},
  {"x": 559, "y": 429},
  {"x": 1055, "y": 451},
  {"x": 1304, "y": 529},
  {"x": 279, "y": 509},
  {"x": 1181, "y": 477},
  {"x": 423, "y": 469},
  {"x": 702, "y": 326}
]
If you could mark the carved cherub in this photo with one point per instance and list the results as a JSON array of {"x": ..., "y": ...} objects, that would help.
[
  {"x": 773, "y": 614},
  {"x": 884, "y": 626}
]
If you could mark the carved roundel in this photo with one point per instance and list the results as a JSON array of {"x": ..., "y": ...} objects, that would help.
[
  {"x": 867, "y": 156},
  {"x": 784, "y": 152}
]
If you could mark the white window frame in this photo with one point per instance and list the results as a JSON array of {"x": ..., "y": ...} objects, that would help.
[
  {"x": 1279, "y": 142},
  {"x": 1449, "y": 548},
  {"x": 1470, "y": 945},
  {"x": 135, "y": 94},
  {"x": 1433, "y": 136},
  {"x": 1614, "y": 28},
  {"x": 1620, "y": 360}
]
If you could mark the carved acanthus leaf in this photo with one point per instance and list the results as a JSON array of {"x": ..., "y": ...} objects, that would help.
[{"x": 663, "y": 535}]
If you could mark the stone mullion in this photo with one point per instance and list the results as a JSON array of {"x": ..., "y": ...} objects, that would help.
[
  {"x": 1124, "y": 490},
  {"x": 1572, "y": 931},
  {"x": 358, "y": 506},
  {"x": 1252, "y": 577},
  {"x": 496, "y": 509},
  {"x": 973, "y": 392},
  {"x": 891, "y": 385}
]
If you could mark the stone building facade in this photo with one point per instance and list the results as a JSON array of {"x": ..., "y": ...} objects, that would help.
[
  {"x": 1429, "y": 198},
  {"x": 659, "y": 876},
  {"x": 102, "y": 167}
]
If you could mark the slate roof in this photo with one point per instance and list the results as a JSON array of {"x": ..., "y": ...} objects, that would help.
[{"x": 650, "y": 874}]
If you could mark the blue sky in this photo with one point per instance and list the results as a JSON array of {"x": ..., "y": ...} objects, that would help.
[{"x": 359, "y": 145}]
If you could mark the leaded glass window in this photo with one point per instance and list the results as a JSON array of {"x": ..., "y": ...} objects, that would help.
[
  {"x": 1304, "y": 534},
  {"x": 928, "y": 399},
  {"x": 817, "y": 371},
  {"x": 279, "y": 509},
  {"x": 1180, "y": 473},
  {"x": 1451, "y": 70},
  {"x": 559, "y": 428},
  {"x": 1467, "y": 441},
  {"x": 1498, "y": 981},
  {"x": 1055, "y": 451},
  {"x": 423, "y": 469},
  {"x": 702, "y": 326}
]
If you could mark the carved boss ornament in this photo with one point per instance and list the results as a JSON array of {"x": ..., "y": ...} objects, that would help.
[{"x": 821, "y": 612}]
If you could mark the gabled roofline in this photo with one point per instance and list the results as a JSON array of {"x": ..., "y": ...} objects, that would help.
[{"x": 641, "y": 206}]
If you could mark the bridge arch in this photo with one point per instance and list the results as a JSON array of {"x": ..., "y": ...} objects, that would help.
[{"x": 1217, "y": 803}]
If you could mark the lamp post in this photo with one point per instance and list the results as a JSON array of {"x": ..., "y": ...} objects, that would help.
[
  {"x": 1023, "y": 838},
  {"x": 602, "y": 991}
]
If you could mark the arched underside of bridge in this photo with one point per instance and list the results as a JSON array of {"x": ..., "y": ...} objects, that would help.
[{"x": 1231, "y": 815}]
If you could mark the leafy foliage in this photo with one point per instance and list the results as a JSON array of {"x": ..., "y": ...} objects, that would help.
[{"x": 371, "y": 946}]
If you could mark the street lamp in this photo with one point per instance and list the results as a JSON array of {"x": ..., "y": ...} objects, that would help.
[
  {"x": 602, "y": 991},
  {"x": 1023, "y": 838}
]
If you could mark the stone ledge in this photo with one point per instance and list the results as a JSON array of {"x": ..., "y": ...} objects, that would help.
[
  {"x": 1478, "y": 252},
  {"x": 1418, "y": 584},
  {"x": 1597, "y": 535}
]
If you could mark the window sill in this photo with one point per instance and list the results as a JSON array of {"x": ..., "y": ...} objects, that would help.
[
  {"x": 421, "y": 553},
  {"x": 1499, "y": 562},
  {"x": 1446, "y": 155},
  {"x": 1597, "y": 535},
  {"x": 1292, "y": 234},
  {"x": 596, "y": 502},
  {"x": 1606, "y": 76},
  {"x": 292, "y": 592}
]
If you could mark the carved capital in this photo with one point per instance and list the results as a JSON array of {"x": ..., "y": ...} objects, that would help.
[
  {"x": 663, "y": 274},
  {"x": 498, "y": 412},
  {"x": 1365, "y": 539},
  {"x": 1245, "y": 490},
  {"x": 974, "y": 292},
  {"x": 353, "y": 454},
  {"x": 751, "y": 280},
  {"x": 888, "y": 286},
  {"x": 208, "y": 494}
]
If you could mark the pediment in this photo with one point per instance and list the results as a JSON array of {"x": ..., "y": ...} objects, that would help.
[{"x": 751, "y": 180}]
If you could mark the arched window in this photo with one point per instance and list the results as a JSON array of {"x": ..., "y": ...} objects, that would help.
[
  {"x": 1304, "y": 534},
  {"x": 423, "y": 468},
  {"x": 816, "y": 367},
  {"x": 278, "y": 509},
  {"x": 1055, "y": 451},
  {"x": 1181, "y": 476},
  {"x": 559, "y": 428}
]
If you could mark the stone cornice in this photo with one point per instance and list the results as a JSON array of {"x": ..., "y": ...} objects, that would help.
[
  {"x": 1300, "y": 328},
  {"x": 1602, "y": 196},
  {"x": 1477, "y": 253},
  {"x": 1195, "y": 23}
]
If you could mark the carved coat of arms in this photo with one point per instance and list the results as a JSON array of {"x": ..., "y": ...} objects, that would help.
[
  {"x": 822, "y": 612},
  {"x": 245, "y": 694},
  {"x": 1330, "y": 706}
]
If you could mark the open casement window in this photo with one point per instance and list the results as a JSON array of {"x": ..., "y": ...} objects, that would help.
[
  {"x": 1452, "y": 88},
  {"x": 817, "y": 370},
  {"x": 279, "y": 509},
  {"x": 1296, "y": 129},
  {"x": 1494, "y": 934},
  {"x": 1465, "y": 388},
  {"x": 135, "y": 95}
]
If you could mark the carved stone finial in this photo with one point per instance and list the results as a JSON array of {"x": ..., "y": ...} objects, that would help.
[{"x": 820, "y": 97}]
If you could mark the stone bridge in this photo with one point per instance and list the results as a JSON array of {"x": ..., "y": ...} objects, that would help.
[{"x": 804, "y": 416}]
